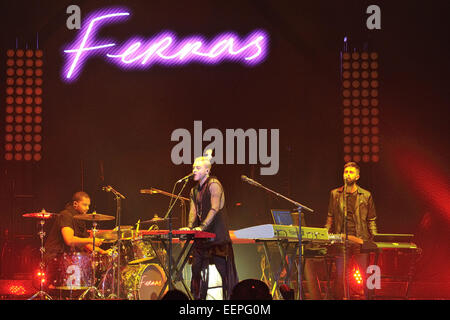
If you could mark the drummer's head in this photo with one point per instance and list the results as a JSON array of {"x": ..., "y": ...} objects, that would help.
[
  {"x": 202, "y": 166},
  {"x": 81, "y": 202}
]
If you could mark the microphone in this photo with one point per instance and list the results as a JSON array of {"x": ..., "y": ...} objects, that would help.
[
  {"x": 107, "y": 188},
  {"x": 185, "y": 178},
  {"x": 250, "y": 181}
]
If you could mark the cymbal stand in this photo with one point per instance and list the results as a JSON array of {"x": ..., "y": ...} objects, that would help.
[
  {"x": 41, "y": 293},
  {"x": 92, "y": 287}
]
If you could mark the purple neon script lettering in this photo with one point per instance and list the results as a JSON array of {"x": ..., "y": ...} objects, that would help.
[
  {"x": 78, "y": 60},
  {"x": 163, "y": 49}
]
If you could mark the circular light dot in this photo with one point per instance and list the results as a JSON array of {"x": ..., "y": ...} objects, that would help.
[
  {"x": 365, "y": 149},
  {"x": 356, "y": 140},
  {"x": 18, "y": 128},
  {"x": 19, "y": 109},
  {"x": 28, "y": 138},
  {"x": 346, "y": 65},
  {"x": 365, "y": 93},
  {"x": 29, "y": 53},
  {"x": 10, "y": 53},
  {"x": 37, "y": 157},
  {"x": 9, "y": 137},
  {"x": 347, "y": 140},
  {"x": 365, "y": 158},
  {"x": 20, "y": 72},
  {"x": 356, "y": 121},
  {"x": 373, "y": 55},
  {"x": 365, "y": 84},
  {"x": 39, "y": 53},
  {"x": 18, "y": 147},
  {"x": 9, "y": 91},
  {"x": 365, "y": 111},
  {"x": 19, "y": 81},
  {"x": 38, "y": 100},
  {"x": 356, "y": 158},
  {"x": 347, "y": 130},
  {"x": 8, "y": 147},
  {"x": 19, "y": 100},
  {"x": 347, "y": 149},
  {"x": 356, "y": 149},
  {"x": 28, "y": 91},
  {"x": 365, "y": 130},
  {"x": 346, "y": 84},
  {"x": 38, "y": 72},
  {"x": 38, "y": 129},
  {"x": 10, "y": 72},
  {"x": 9, "y": 81},
  {"x": 355, "y": 74},
  {"x": 355, "y": 65},
  {"x": 38, "y": 81},
  {"x": 346, "y": 102},
  {"x": 356, "y": 111},
  {"x": 374, "y": 83},
  {"x": 19, "y": 119},
  {"x": 347, "y": 158},
  {"x": 18, "y": 156},
  {"x": 28, "y": 119},
  {"x": 39, "y": 63},
  {"x": 37, "y": 138},
  {"x": 355, "y": 84},
  {"x": 356, "y": 130},
  {"x": 28, "y": 147},
  {"x": 356, "y": 102},
  {"x": 346, "y": 74},
  {"x": 375, "y": 139},
  {"x": 37, "y": 148},
  {"x": 29, "y": 63},
  {"x": 346, "y": 112},
  {"x": 9, "y": 128},
  {"x": 28, "y": 157},
  {"x": 9, "y": 119},
  {"x": 364, "y": 74},
  {"x": 19, "y": 91},
  {"x": 28, "y": 128},
  {"x": 38, "y": 91},
  {"x": 374, "y": 102},
  {"x": 356, "y": 93},
  {"x": 29, "y": 82},
  {"x": 365, "y": 121},
  {"x": 346, "y": 56},
  {"x": 375, "y": 111},
  {"x": 37, "y": 119},
  {"x": 18, "y": 138},
  {"x": 375, "y": 158},
  {"x": 28, "y": 100},
  {"x": 346, "y": 121},
  {"x": 19, "y": 62},
  {"x": 365, "y": 139},
  {"x": 374, "y": 65},
  {"x": 346, "y": 93},
  {"x": 374, "y": 121},
  {"x": 364, "y": 55},
  {"x": 355, "y": 55},
  {"x": 29, "y": 72},
  {"x": 8, "y": 156},
  {"x": 374, "y": 74},
  {"x": 375, "y": 130},
  {"x": 375, "y": 149},
  {"x": 9, "y": 100}
]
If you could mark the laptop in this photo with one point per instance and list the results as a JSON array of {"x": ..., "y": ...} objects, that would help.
[{"x": 282, "y": 216}]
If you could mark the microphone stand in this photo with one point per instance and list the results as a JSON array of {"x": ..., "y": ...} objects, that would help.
[
  {"x": 299, "y": 209},
  {"x": 169, "y": 216},
  {"x": 118, "y": 196}
]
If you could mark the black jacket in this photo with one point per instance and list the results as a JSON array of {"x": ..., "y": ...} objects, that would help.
[{"x": 365, "y": 215}]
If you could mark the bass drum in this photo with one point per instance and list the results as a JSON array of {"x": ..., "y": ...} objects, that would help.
[{"x": 138, "y": 282}]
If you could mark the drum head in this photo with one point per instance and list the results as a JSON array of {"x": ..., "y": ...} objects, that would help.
[{"x": 151, "y": 282}]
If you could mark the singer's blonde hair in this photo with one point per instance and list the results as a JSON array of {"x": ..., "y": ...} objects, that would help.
[{"x": 206, "y": 160}]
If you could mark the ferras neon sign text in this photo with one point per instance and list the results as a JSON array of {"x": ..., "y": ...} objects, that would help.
[{"x": 162, "y": 49}]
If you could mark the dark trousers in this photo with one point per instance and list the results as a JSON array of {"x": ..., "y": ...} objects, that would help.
[
  {"x": 353, "y": 257},
  {"x": 202, "y": 258}
]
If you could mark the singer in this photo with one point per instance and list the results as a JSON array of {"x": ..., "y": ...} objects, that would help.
[
  {"x": 208, "y": 213},
  {"x": 361, "y": 222}
]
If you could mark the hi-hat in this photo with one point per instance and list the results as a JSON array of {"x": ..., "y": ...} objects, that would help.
[
  {"x": 39, "y": 215},
  {"x": 157, "y": 219},
  {"x": 93, "y": 217}
]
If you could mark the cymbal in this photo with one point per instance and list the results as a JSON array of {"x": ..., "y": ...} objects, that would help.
[
  {"x": 157, "y": 219},
  {"x": 39, "y": 215},
  {"x": 93, "y": 217},
  {"x": 113, "y": 235}
]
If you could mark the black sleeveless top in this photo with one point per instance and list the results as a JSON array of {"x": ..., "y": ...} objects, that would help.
[{"x": 201, "y": 196}]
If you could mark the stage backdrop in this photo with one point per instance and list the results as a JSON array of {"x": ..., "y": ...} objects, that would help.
[{"x": 113, "y": 126}]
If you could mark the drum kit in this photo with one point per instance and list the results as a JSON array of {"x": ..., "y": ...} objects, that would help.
[{"x": 139, "y": 275}]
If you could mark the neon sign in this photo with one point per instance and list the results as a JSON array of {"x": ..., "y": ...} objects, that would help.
[{"x": 162, "y": 49}]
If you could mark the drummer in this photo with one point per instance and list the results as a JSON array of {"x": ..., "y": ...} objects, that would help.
[{"x": 69, "y": 235}]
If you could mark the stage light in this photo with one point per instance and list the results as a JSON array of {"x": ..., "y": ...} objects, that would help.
[
  {"x": 23, "y": 105},
  {"x": 357, "y": 277},
  {"x": 364, "y": 105}
]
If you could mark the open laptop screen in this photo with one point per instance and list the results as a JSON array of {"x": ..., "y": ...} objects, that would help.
[{"x": 282, "y": 217}]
